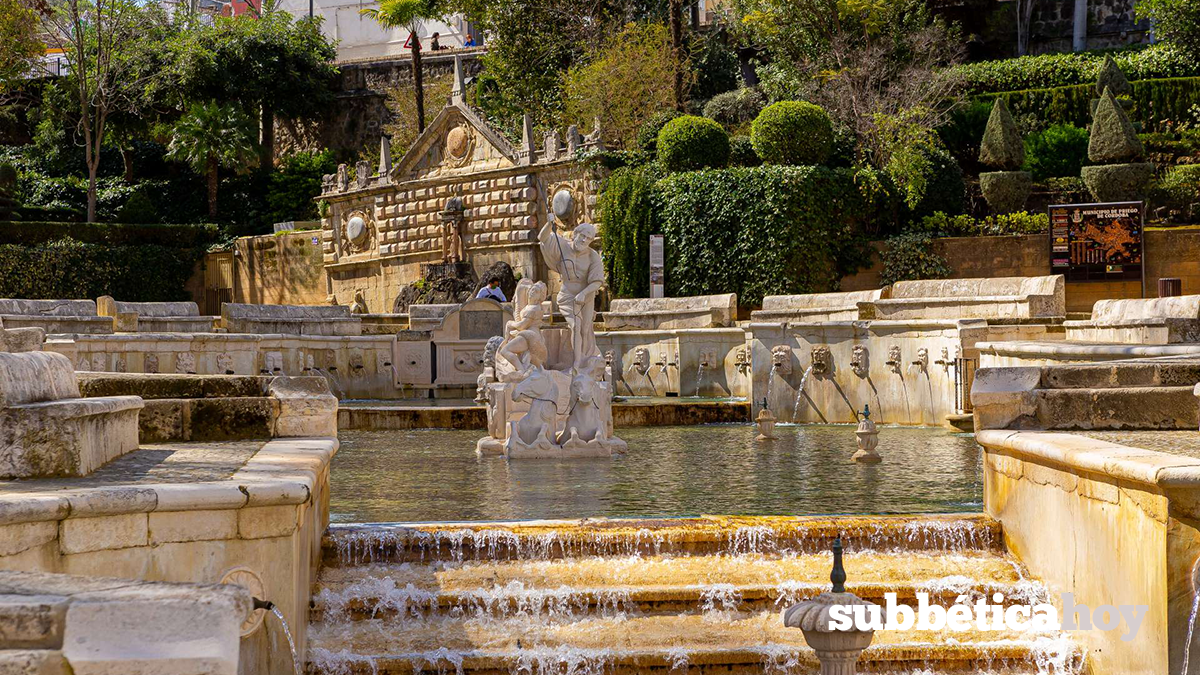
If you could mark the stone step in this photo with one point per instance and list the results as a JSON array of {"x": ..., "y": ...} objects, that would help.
[
  {"x": 548, "y": 540},
  {"x": 656, "y": 584},
  {"x": 752, "y": 643}
]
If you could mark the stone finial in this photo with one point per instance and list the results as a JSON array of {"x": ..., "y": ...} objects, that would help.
[
  {"x": 596, "y": 138},
  {"x": 867, "y": 436},
  {"x": 766, "y": 425},
  {"x": 1113, "y": 137},
  {"x": 362, "y": 174},
  {"x": 552, "y": 146},
  {"x": 837, "y": 649},
  {"x": 574, "y": 140},
  {"x": 1002, "y": 147},
  {"x": 527, "y": 152},
  {"x": 1113, "y": 79},
  {"x": 385, "y": 159},
  {"x": 459, "y": 90}
]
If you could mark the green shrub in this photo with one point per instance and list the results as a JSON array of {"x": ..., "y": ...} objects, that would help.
[
  {"x": 741, "y": 152},
  {"x": 1118, "y": 182},
  {"x": 792, "y": 132},
  {"x": 882, "y": 201},
  {"x": 930, "y": 179},
  {"x": 964, "y": 225},
  {"x": 647, "y": 138},
  {"x": 292, "y": 189},
  {"x": 760, "y": 231},
  {"x": 30, "y": 233},
  {"x": 1075, "y": 68},
  {"x": 689, "y": 143},
  {"x": 1059, "y": 150},
  {"x": 1005, "y": 191},
  {"x": 715, "y": 64},
  {"x": 1067, "y": 190},
  {"x": 626, "y": 223},
  {"x": 964, "y": 130},
  {"x": 138, "y": 209},
  {"x": 734, "y": 109},
  {"x": 1182, "y": 184},
  {"x": 67, "y": 268},
  {"x": 1156, "y": 104},
  {"x": 911, "y": 256}
]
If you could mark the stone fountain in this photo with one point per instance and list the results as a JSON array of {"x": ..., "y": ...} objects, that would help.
[{"x": 552, "y": 389}]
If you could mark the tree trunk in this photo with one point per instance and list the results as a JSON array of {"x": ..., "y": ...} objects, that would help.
[
  {"x": 91, "y": 214},
  {"x": 418, "y": 85},
  {"x": 127, "y": 160},
  {"x": 266, "y": 157},
  {"x": 212, "y": 186},
  {"x": 675, "y": 19}
]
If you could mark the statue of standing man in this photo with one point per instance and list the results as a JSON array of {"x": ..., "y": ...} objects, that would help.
[{"x": 582, "y": 273}]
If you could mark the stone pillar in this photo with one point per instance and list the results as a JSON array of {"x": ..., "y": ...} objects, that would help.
[
  {"x": 459, "y": 89},
  {"x": 1079, "y": 28},
  {"x": 385, "y": 160}
]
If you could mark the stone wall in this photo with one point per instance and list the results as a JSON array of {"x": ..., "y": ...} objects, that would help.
[
  {"x": 356, "y": 119},
  {"x": 1109, "y": 524},
  {"x": 1169, "y": 253},
  {"x": 1110, "y": 23},
  {"x": 284, "y": 269},
  {"x": 268, "y": 517}
]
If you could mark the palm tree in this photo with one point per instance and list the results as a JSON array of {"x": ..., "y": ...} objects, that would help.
[
  {"x": 408, "y": 14},
  {"x": 210, "y": 136}
]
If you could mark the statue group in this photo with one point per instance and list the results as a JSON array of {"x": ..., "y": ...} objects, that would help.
[{"x": 548, "y": 390}]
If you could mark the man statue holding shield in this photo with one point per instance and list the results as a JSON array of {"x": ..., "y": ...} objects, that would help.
[{"x": 582, "y": 273}]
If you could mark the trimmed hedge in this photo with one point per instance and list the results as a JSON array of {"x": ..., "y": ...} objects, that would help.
[
  {"x": 792, "y": 132},
  {"x": 72, "y": 269},
  {"x": 626, "y": 223},
  {"x": 1058, "y": 151},
  {"x": 942, "y": 225},
  {"x": 1154, "y": 102},
  {"x": 689, "y": 143},
  {"x": 760, "y": 231},
  {"x": 1075, "y": 68},
  {"x": 27, "y": 233}
]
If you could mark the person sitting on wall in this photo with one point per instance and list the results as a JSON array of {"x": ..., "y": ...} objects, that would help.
[
  {"x": 492, "y": 290},
  {"x": 470, "y": 41},
  {"x": 434, "y": 45}
]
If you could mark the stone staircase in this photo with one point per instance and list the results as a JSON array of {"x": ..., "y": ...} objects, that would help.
[{"x": 639, "y": 596}]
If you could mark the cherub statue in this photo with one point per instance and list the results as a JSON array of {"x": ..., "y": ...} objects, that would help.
[{"x": 524, "y": 347}]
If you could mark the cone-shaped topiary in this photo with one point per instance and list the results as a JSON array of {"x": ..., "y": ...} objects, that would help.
[
  {"x": 1002, "y": 147},
  {"x": 1113, "y": 138},
  {"x": 1112, "y": 79},
  {"x": 1113, "y": 142}
]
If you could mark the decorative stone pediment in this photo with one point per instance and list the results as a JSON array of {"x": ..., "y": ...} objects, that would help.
[{"x": 456, "y": 141}]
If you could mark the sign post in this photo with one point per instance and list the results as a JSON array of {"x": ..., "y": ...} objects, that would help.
[
  {"x": 657, "y": 266},
  {"x": 1098, "y": 242}
]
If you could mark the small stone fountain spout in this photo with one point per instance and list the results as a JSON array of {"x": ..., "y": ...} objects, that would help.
[
  {"x": 868, "y": 439},
  {"x": 837, "y": 649}
]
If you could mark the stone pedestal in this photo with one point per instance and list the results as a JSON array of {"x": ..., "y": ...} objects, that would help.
[
  {"x": 868, "y": 439},
  {"x": 766, "y": 425},
  {"x": 837, "y": 650}
]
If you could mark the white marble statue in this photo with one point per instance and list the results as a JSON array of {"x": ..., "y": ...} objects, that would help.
[
  {"x": 564, "y": 409},
  {"x": 523, "y": 347},
  {"x": 534, "y": 430},
  {"x": 582, "y": 273}
]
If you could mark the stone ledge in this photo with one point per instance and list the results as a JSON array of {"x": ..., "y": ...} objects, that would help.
[{"x": 1079, "y": 453}]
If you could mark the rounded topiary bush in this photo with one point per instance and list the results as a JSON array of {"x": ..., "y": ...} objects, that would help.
[
  {"x": 792, "y": 132},
  {"x": 734, "y": 108},
  {"x": 647, "y": 138},
  {"x": 689, "y": 143},
  {"x": 1118, "y": 182},
  {"x": 1005, "y": 191}
]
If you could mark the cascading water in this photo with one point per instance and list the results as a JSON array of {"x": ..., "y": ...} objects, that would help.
[
  {"x": 334, "y": 386},
  {"x": 800, "y": 392},
  {"x": 700, "y": 378},
  {"x": 291, "y": 643},
  {"x": 702, "y": 594},
  {"x": 770, "y": 384},
  {"x": 1187, "y": 644}
]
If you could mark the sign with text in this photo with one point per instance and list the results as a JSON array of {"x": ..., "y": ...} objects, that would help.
[
  {"x": 1097, "y": 242},
  {"x": 658, "y": 264}
]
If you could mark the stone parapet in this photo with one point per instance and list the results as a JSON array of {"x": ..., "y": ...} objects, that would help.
[
  {"x": 814, "y": 307},
  {"x": 699, "y": 311},
  {"x": 1149, "y": 321},
  {"x": 997, "y": 298},
  {"x": 89, "y": 626},
  {"x": 331, "y": 320}
]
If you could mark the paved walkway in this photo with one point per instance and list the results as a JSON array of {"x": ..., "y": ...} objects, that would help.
[{"x": 154, "y": 463}]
